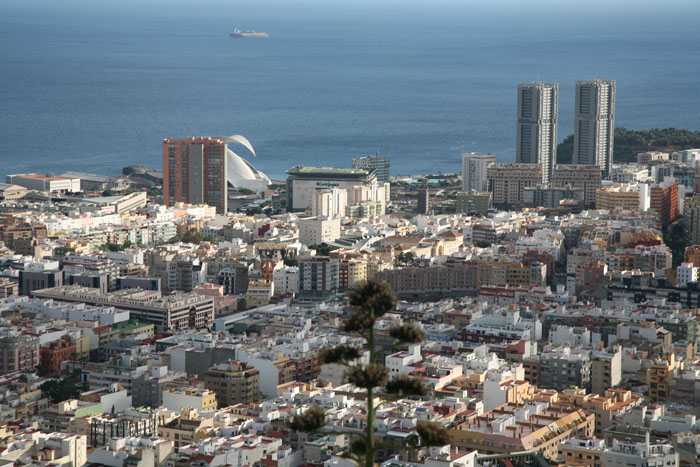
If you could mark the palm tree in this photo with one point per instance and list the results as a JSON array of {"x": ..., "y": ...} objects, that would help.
[
  {"x": 73, "y": 358},
  {"x": 370, "y": 301}
]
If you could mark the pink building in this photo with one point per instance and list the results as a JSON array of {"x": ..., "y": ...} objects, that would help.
[{"x": 222, "y": 303}]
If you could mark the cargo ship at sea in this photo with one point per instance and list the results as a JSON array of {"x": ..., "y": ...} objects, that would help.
[{"x": 238, "y": 33}]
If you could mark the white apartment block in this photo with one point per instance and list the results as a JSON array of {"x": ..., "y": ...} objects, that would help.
[
  {"x": 401, "y": 363},
  {"x": 640, "y": 455},
  {"x": 329, "y": 203},
  {"x": 474, "y": 165},
  {"x": 685, "y": 273},
  {"x": 317, "y": 230},
  {"x": 286, "y": 280}
]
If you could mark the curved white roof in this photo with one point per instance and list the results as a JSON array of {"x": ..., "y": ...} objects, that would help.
[
  {"x": 240, "y": 172},
  {"x": 238, "y": 139}
]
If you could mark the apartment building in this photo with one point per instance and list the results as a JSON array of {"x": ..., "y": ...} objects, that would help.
[
  {"x": 585, "y": 177},
  {"x": 506, "y": 182},
  {"x": 640, "y": 454},
  {"x": 532, "y": 426},
  {"x": 582, "y": 452},
  {"x": 317, "y": 230},
  {"x": 176, "y": 311},
  {"x": 606, "y": 370},
  {"x": 233, "y": 382},
  {"x": 663, "y": 198},
  {"x": 318, "y": 277},
  {"x": 186, "y": 429},
  {"x": 564, "y": 367},
  {"x": 176, "y": 399},
  {"x": 18, "y": 352}
]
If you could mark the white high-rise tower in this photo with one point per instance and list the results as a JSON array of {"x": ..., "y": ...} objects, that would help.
[
  {"x": 474, "y": 166},
  {"x": 594, "y": 124},
  {"x": 537, "y": 126}
]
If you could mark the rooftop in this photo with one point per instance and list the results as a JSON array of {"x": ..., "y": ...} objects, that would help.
[
  {"x": 308, "y": 170},
  {"x": 88, "y": 177},
  {"x": 39, "y": 177},
  {"x": 131, "y": 324}
]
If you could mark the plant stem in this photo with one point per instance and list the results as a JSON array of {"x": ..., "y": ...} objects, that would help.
[{"x": 369, "y": 458}]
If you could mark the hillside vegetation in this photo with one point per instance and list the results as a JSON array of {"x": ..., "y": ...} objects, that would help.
[{"x": 629, "y": 142}]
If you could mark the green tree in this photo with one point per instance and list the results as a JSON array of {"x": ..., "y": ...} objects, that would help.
[
  {"x": 483, "y": 244},
  {"x": 59, "y": 390},
  {"x": 630, "y": 142},
  {"x": 291, "y": 261},
  {"x": 154, "y": 192},
  {"x": 322, "y": 249},
  {"x": 405, "y": 258},
  {"x": 109, "y": 193},
  {"x": 61, "y": 251},
  {"x": 676, "y": 238},
  {"x": 112, "y": 247},
  {"x": 191, "y": 236},
  {"x": 369, "y": 302}
]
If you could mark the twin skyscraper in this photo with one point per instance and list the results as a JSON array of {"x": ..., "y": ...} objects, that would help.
[{"x": 594, "y": 125}]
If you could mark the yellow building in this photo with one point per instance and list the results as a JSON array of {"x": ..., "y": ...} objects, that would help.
[
  {"x": 259, "y": 293},
  {"x": 186, "y": 429},
  {"x": 375, "y": 265},
  {"x": 518, "y": 275},
  {"x": 627, "y": 237},
  {"x": 613, "y": 403},
  {"x": 458, "y": 318},
  {"x": 357, "y": 272},
  {"x": 176, "y": 399},
  {"x": 82, "y": 347},
  {"x": 516, "y": 391},
  {"x": 619, "y": 195},
  {"x": 659, "y": 376},
  {"x": 521, "y": 427}
]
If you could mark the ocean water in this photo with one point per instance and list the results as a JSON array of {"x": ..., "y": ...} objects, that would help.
[{"x": 96, "y": 86}]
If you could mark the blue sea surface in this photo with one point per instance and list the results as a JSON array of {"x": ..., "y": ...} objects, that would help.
[{"x": 96, "y": 86}]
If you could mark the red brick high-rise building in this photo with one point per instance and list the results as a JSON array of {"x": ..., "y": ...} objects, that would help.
[
  {"x": 663, "y": 198},
  {"x": 56, "y": 352},
  {"x": 692, "y": 255},
  {"x": 594, "y": 275},
  {"x": 194, "y": 171}
]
